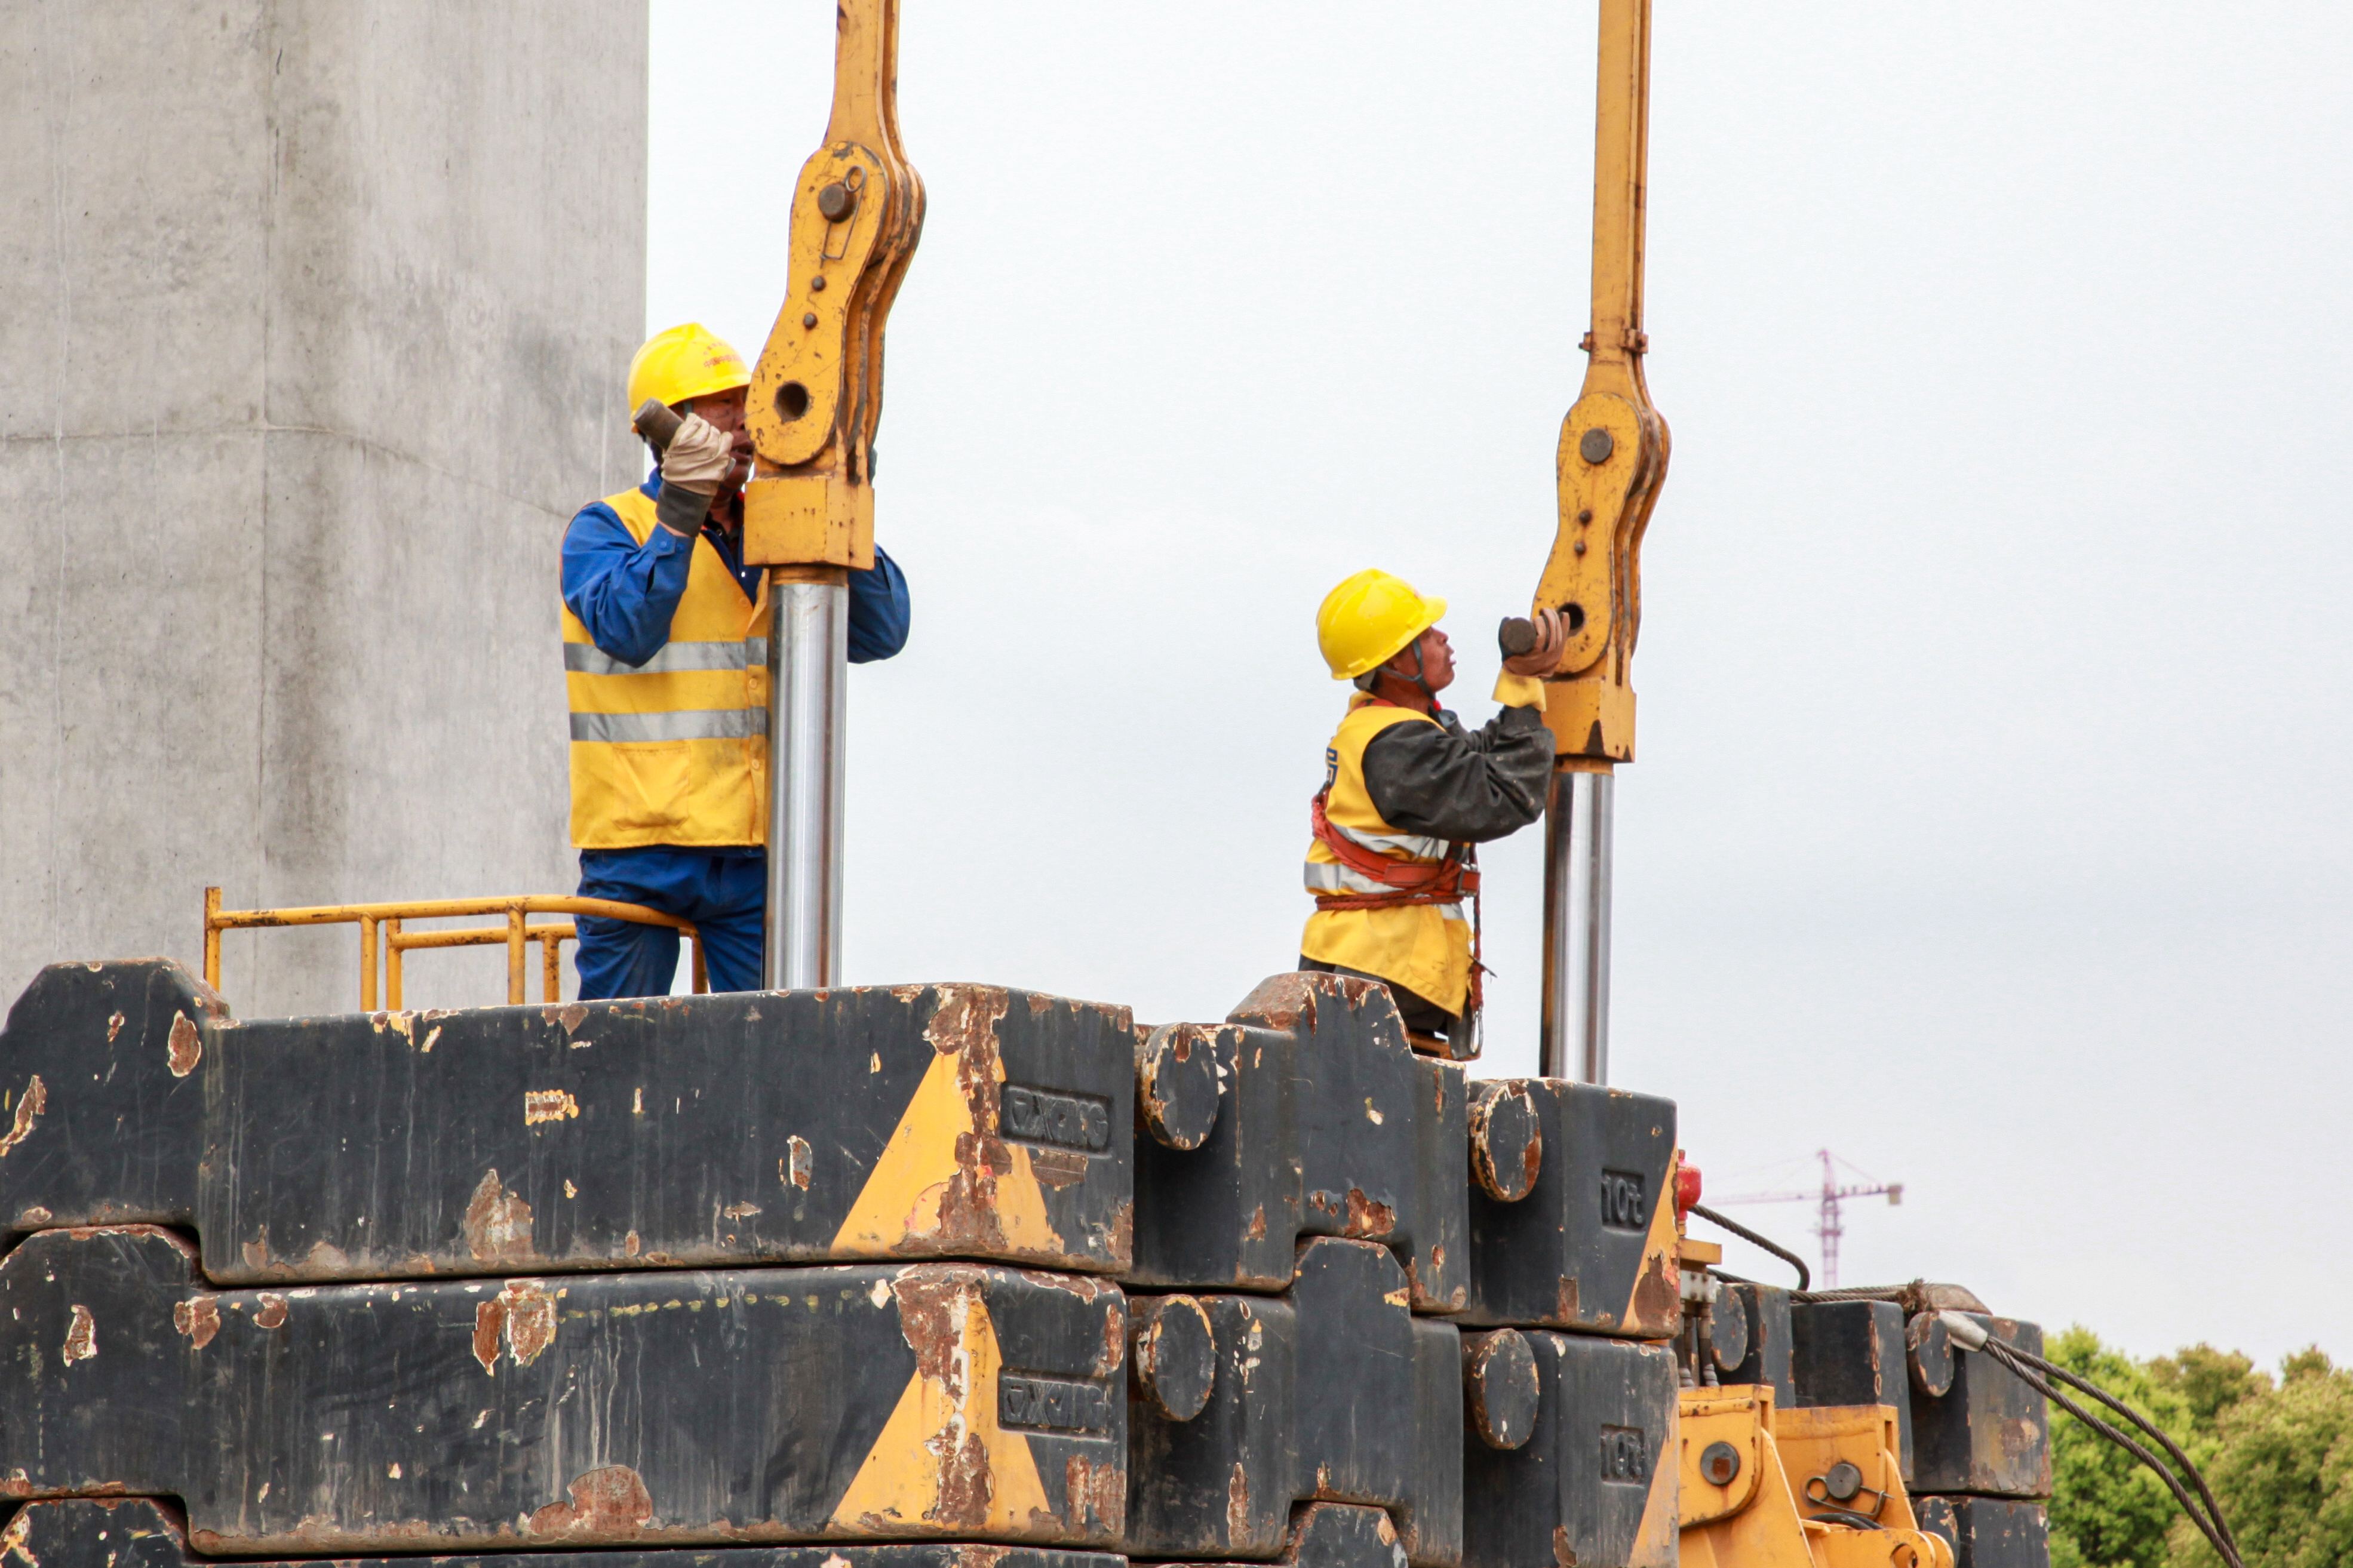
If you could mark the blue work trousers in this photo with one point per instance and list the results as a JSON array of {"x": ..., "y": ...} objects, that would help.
[{"x": 725, "y": 895}]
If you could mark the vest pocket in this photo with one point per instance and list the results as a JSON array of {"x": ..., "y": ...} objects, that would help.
[{"x": 648, "y": 782}]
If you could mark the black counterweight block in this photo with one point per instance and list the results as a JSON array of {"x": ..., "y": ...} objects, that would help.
[
  {"x": 877, "y": 1401},
  {"x": 1333, "y": 1391},
  {"x": 1591, "y": 1246},
  {"x": 766, "y": 1127},
  {"x": 1988, "y": 1532},
  {"x": 1340, "y": 1535},
  {"x": 1327, "y": 1124},
  {"x": 1765, "y": 1309},
  {"x": 139, "y": 1532},
  {"x": 1595, "y": 1483},
  {"x": 1989, "y": 1433},
  {"x": 1852, "y": 1353}
]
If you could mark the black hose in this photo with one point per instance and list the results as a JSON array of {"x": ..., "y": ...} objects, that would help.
[{"x": 1805, "y": 1276}]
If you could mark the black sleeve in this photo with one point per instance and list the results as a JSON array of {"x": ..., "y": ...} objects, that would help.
[
  {"x": 1454, "y": 785},
  {"x": 680, "y": 509}
]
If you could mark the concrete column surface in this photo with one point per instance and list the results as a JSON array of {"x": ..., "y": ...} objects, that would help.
[{"x": 312, "y": 343}]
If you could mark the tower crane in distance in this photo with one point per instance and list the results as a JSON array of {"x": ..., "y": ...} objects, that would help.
[{"x": 1828, "y": 1223}]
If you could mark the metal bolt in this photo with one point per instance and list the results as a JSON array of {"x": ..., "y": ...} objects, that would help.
[
  {"x": 1580, "y": 547},
  {"x": 1595, "y": 445},
  {"x": 810, "y": 319},
  {"x": 816, "y": 284},
  {"x": 837, "y": 202},
  {"x": 1586, "y": 515},
  {"x": 1719, "y": 1464}
]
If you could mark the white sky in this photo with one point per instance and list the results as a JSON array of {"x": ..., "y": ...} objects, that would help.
[{"x": 1990, "y": 826}]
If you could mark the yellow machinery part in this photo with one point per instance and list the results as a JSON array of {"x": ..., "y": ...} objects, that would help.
[
  {"x": 1613, "y": 445},
  {"x": 816, "y": 392},
  {"x": 1765, "y": 1511}
]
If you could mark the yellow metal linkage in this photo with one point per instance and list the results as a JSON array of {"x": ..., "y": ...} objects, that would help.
[
  {"x": 382, "y": 931},
  {"x": 1613, "y": 445}
]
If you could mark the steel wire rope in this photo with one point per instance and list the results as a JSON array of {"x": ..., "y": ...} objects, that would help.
[
  {"x": 2023, "y": 1365},
  {"x": 1805, "y": 1276}
]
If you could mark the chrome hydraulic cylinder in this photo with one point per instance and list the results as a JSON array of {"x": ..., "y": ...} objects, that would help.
[
  {"x": 808, "y": 688},
  {"x": 1576, "y": 926}
]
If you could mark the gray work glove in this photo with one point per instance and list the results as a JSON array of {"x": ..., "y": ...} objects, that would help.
[{"x": 699, "y": 457}]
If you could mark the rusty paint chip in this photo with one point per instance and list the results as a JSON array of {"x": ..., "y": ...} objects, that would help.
[
  {"x": 198, "y": 1318},
  {"x": 35, "y": 1217},
  {"x": 29, "y": 1106},
  {"x": 740, "y": 1211},
  {"x": 184, "y": 1048},
  {"x": 82, "y": 1336},
  {"x": 489, "y": 1322},
  {"x": 547, "y": 1105},
  {"x": 530, "y": 1320},
  {"x": 113, "y": 1026},
  {"x": 272, "y": 1313},
  {"x": 608, "y": 1501},
  {"x": 1366, "y": 1218},
  {"x": 497, "y": 1223},
  {"x": 798, "y": 1175}
]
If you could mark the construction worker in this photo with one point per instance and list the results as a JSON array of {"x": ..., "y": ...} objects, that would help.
[
  {"x": 1407, "y": 792},
  {"x": 665, "y": 657}
]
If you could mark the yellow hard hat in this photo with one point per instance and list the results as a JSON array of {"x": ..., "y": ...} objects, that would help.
[
  {"x": 683, "y": 363},
  {"x": 1370, "y": 619}
]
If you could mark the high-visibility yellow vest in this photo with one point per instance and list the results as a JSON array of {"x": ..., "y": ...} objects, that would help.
[
  {"x": 673, "y": 751},
  {"x": 1426, "y": 948}
]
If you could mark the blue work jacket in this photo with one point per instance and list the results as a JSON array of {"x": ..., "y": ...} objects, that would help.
[{"x": 625, "y": 593}]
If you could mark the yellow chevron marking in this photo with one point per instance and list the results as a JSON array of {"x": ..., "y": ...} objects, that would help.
[
  {"x": 900, "y": 1207},
  {"x": 942, "y": 1463}
]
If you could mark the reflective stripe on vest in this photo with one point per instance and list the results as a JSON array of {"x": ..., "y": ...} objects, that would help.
[
  {"x": 587, "y": 658},
  {"x": 687, "y": 724},
  {"x": 672, "y": 751}
]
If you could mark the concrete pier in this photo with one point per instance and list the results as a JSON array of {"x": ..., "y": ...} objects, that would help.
[{"x": 311, "y": 335}]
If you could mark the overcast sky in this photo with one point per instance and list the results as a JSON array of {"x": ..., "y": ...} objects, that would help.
[{"x": 1990, "y": 826}]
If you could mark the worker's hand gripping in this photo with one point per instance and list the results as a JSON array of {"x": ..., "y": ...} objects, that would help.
[
  {"x": 1531, "y": 646},
  {"x": 700, "y": 457}
]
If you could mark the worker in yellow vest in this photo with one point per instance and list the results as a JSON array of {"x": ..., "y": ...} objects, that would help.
[
  {"x": 665, "y": 660},
  {"x": 1407, "y": 792}
]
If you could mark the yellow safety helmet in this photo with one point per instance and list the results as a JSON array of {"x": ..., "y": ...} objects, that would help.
[
  {"x": 1370, "y": 619},
  {"x": 684, "y": 363}
]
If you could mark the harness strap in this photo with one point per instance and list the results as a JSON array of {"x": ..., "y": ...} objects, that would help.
[{"x": 1415, "y": 882}]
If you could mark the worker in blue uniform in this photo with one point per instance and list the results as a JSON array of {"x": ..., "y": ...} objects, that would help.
[{"x": 665, "y": 660}]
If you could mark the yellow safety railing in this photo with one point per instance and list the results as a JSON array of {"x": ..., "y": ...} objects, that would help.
[{"x": 381, "y": 929}]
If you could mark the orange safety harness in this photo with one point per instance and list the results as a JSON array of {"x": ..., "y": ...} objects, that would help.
[{"x": 1445, "y": 881}]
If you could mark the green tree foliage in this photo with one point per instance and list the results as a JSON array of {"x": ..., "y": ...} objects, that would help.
[
  {"x": 2210, "y": 1379},
  {"x": 2106, "y": 1509},
  {"x": 2278, "y": 1455},
  {"x": 2284, "y": 1472}
]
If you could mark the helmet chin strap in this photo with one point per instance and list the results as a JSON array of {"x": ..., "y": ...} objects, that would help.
[{"x": 1421, "y": 675}]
